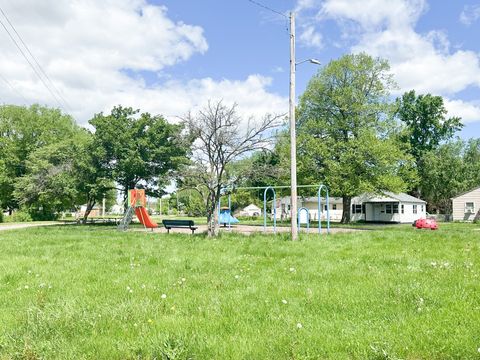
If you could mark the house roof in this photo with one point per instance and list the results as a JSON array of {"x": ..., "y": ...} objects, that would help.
[
  {"x": 251, "y": 206},
  {"x": 386, "y": 197},
  {"x": 466, "y": 192},
  {"x": 404, "y": 197},
  {"x": 390, "y": 197}
]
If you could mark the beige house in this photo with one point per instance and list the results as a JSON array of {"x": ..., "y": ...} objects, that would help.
[
  {"x": 388, "y": 207},
  {"x": 465, "y": 206}
]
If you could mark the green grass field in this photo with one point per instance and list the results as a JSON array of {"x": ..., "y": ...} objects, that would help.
[{"x": 93, "y": 293}]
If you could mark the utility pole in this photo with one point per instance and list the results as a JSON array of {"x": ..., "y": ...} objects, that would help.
[
  {"x": 103, "y": 206},
  {"x": 293, "y": 140}
]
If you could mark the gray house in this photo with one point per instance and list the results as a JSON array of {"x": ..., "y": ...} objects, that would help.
[{"x": 466, "y": 205}]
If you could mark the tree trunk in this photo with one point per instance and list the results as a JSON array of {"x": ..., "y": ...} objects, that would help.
[
  {"x": 212, "y": 216},
  {"x": 88, "y": 210},
  {"x": 347, "y": 204}
]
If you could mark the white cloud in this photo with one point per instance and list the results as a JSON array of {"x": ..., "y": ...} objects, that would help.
[
  {"x": 469, "y": 112},
  {"x": 311, "y": 37},
  {"x": 91, "y": 48},
  {"x": 372, "y": 14},
  {"x": 424, "y": 62},
  {"x": 470, "y": 14}
]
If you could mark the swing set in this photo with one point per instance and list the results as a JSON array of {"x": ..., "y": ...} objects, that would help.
[{"x": 321, "y": 188}]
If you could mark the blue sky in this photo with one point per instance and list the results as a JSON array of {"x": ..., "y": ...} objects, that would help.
[
  {"x": 244, "y": 39},
  {"x": 172, "y": 56}
]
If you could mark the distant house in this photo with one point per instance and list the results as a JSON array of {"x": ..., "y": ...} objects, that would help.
[
  {"x": 466, "y": 205},
  {"x": 250, "y": 210},
  {"x": 389, "y": 207},
  {"x": 96, "y": 211}
]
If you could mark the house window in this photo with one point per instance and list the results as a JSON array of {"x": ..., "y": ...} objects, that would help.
[
  {"x": 363, "y": 208},
  {"x": 334, "y": 207},
  {"x": 388, "y": 208},
  {"x": 288, "y": 207},
  {"x": 421, "y": 208},
  {"x": 356, "y": 208},
  {"x": 326, "y": 208},
  {"x": 403, "y": 209},
  {"x": 414, "y": 209},
  {"x": 395, "y": 208},
  {"x": 469, "y": 207}
]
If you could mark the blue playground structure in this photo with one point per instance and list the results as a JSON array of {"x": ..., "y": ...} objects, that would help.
[{"x": 225, "y": 217}]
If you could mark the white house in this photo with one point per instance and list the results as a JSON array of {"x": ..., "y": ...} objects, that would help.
[
  {"x": 250, "y": 210},
  {"x": 389, "y": 207},
  {"x": 465, "y": 206}
]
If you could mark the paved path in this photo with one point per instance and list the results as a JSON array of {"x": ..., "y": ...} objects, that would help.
[
  {"x": 8, "y": 226},
  {"x": 249, "y": 229}
]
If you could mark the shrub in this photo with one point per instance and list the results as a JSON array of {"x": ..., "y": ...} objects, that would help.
[
  {"x": 1, "y": 216},
  {"x": 20, "y": 216}
]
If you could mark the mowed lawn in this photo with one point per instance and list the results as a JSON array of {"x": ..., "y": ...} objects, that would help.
[{"x": 93, "y": 293}]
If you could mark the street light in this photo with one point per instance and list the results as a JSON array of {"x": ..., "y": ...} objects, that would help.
[
  {"x": 293, "y": 140},
  {"x": 312, "y": 61}
]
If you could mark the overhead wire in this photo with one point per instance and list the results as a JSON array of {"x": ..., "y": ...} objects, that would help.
[
  {"x": 268, "y": 8},
  {"x": 35, "y": 59},
  {"x": 13, "y": 88},
  {"x": 31, "y": 65},
  {"x": 273, "y": 11}
]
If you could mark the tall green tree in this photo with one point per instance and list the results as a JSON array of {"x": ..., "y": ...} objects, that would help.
[
  {"x": 346, "y": 138},
  {"x": 426, "y": 127},
  {"x": 62, "y": 176},
  {"x": 24, "y": 130},
  {"x": 444, "y": 171},
  {"x": 139, "y": 149}
]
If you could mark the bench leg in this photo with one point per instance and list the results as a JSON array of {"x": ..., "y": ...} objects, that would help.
[
  {"x": 168, "y": 230},
  {"x": 193, "y": 231}
]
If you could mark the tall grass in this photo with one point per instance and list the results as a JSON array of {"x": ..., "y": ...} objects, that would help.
[{"x": 94, "y": 293}]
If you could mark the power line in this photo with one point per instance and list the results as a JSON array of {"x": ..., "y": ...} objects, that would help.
[
  {"x": 34, "y": 59},
  {"x": 267, "y": 8},
  {"x": 31, "y": 65},
  {"x": 13, "y": 88}
]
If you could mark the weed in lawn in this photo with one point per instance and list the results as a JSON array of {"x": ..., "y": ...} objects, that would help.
[{"x": 393, "y": 293}]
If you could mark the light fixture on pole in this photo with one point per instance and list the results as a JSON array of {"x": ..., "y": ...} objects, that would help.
[
  {"x": 293, "y": 139},
  {"x": 312, "y": 61}
]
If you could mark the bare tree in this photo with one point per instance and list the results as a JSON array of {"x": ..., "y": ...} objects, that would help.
[{"x": 221, "y": 137}]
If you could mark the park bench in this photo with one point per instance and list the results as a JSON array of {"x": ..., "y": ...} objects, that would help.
[{"x": 170, "y": 224}]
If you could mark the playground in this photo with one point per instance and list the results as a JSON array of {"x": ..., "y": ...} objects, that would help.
[
  {"x": 136, "y": 206},
  {"x": 391, "y": 293}
]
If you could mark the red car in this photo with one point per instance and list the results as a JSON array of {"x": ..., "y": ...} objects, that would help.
[{"x": 426, "y": 224}]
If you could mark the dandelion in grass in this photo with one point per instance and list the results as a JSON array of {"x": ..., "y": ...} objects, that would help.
[
  {"x": 299, "y": 326},
  {"x": 237, "y": 277},
  {"x": 183, "y": 279},
  {"x": 292, "y": 269},
  {"x": 164, "y": 296},
  {"x": 26, "y": 287},
  {"x": 284, "y": 301},
  {"x": 150, "y": 321}
]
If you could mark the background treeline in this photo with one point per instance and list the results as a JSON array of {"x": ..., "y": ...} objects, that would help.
[{"x": 352, "y": 135}]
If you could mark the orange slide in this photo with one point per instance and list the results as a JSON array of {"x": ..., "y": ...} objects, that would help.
[{"x": 144, "y": 218}]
